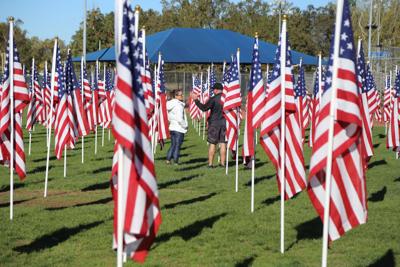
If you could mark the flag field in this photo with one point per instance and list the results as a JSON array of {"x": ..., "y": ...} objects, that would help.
[{"x": 205, "y": 223}]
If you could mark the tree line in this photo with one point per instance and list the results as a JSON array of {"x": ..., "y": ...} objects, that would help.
[{"x": 309, "y": 29}]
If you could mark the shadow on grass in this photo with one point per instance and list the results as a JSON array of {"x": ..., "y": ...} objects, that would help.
[
  {"x": 397, "y": 179},
  {"x": 260, "y": 179},
  {"x": 189, "y": 201},
  {"x": 190, "y": 231},
  {"x": 271, "y": 200},
  {"x": 386, "y": 260},
  {"x": 376, "y": 145},
  {"x": 7, "y": 187},
  {"x": 96, "y": 202},
  {"x": 381, "y": 136},
  {"x": 259, "y": 164},
  {"x": 16, "y": 202},
  {"x": 44, "y": 159},
  {"x": 98, "y": 186},
  {"x": 377, "y": 163},
  {"x": 53, "y": 239},
  {"x": 39, "y": 169},
  {"x": 378, "y": 195},
  {"x": 187, "y": 147},
  {"x": 103, "y": 169},
  {"x": 245, "y": 262},
  {"x": 197, "y": 166},
  {"x": 196, "y": 160},
  {"x": 311, "y": 229},
  {"x": 178, "y": 181}
]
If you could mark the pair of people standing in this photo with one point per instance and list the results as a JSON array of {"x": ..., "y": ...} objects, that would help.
[
  {"x": 178, "y": 125},
  {"x": 216, "y": 125}
]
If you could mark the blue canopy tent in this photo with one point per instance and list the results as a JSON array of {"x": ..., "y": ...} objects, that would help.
[{"x": 197, "y": 46}]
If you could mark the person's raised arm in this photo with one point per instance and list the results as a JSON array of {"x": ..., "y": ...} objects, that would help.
[{"x": 203, "y": 107}]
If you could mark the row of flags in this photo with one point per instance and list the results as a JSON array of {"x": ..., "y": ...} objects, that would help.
[{"x": 340, "y": 114}]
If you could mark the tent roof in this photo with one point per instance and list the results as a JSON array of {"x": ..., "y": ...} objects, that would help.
[{"x": 188, "y": 45}]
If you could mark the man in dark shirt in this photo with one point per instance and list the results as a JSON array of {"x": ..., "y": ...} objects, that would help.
[{"x": 216, "y": 124}]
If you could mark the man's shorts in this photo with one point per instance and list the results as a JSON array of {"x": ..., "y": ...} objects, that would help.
[{"x": 216, "y": 134}]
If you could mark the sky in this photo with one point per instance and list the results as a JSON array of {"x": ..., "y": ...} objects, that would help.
[{"x": 50, "y": 18}]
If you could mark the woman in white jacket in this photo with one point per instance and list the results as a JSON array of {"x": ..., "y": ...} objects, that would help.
[{"x": 178, "y": 125}]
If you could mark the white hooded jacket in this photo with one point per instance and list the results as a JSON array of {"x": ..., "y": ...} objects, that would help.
[{"x": 177, "y": 116}]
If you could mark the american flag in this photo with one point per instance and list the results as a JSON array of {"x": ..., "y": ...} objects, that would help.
[
  {"x": 31, "y": 115},
  {"x": 194, "y": 111},
  {"x": 232, "y": 102},
  {"x": 393, "y": 135},
  {"x": 87, "y": 102},
  {"x": 372, "y": 93},
  {"x": 387, "y": 99},
  {"x": 255, "y": 103},
  {"x": 95, "y": 97},
  {"x": 39, "y": 103},
  {"x": 130, "y": 128},
  {"x": 302, "y": 102},
  {"x": 270, "y": 136},
  {"x": 64, "y": 124},
  {"x": 109, "y": 87},
  {"x": 206, "y": 91},
  {"x": 348, "y": 204},
  {"x": 104, "y": 110},
  {"x": 365, "y": 111},
  {"x": 148, "y": 89},
  {"x": 81, "y": 125},
  {"x": 21, "y": 99},
  {"x": 46, "y": 93},
  {"x": 162, "y": 116},
  {"x": 315, "y": 104}
]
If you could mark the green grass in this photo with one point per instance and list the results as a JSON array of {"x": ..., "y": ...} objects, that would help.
[{"x": 205, "y": 223}]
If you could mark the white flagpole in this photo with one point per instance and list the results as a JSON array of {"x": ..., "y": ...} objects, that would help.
[
  {"x": 208, "y": 88},
  {"x": 53, "y": 73},
  {"x": 11, "y": 77},
  {"x": 253, "y": 163},
  {"x": 65, "y": 161},
  {"x": 83, "y": 61},
  {"x": 283, "y": 127},
  {"x": 95, "y": 108},
  {"x": 328, "y": 176},
  {"x": 104, "y": 80},
  {"x": 120, "y": 207},
  {"x": 33, "y": 92},
  {"x": 82, "y": 87},
  {"x": 47, "y": 110},
  {"x": 238, "y": 127}
]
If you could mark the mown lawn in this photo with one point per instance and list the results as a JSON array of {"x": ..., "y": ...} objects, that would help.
[{"x": 205, "y": 223}]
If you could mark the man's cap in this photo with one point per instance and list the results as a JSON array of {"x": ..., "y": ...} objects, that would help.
[{"x": 218, "y": 86}]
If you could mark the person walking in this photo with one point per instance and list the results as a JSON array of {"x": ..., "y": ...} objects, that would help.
[
  {"x": 216, "y": 124},
  {"x": 178, "y": 125}
]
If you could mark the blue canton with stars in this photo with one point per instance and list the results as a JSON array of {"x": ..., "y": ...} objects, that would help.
[
  {"x": 300, "y": 89},
  {"x": 59, "y": 70},
  {"x": 129, "y": 55},
  {"x": 234, "y": 71},
  {"x": 346, "y": 44},
  {"x": 70, "y": 77},
  {"x": 370, "y": 83},
  {"x": 109, "y": 80},
  {"x": 227, "y": 74},
  {"x": 397, "y": 85},
  {"x": 361, "y": 69},
  {"x": 255, "y": 74}
]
